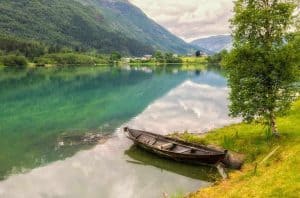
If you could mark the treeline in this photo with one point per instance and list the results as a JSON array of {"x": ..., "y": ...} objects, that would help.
[
  {"x": 16, "y": 52},
  {"x": 29, "y": 49},
  {"x": 158, "y": 58},
  {"x": 216, "y": 59},
  {"x": 19, "y": 53},
  {"x": 161, "y": 57}
]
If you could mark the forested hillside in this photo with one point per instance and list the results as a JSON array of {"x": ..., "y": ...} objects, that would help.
[
  {"x": 64, "y": 22},
  {"x": 124, "y": 17},
  {"x": 103, "y": 25}
]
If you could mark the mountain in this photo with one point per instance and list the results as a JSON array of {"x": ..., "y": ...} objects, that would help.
[
  {"x": 105, "y": 25},
  {"x": 214, "y": 44},
  {"x": 122, "y": 16}
]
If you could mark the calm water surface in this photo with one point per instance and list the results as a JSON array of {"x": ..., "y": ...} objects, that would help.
[{"x": 38, "y": 106}]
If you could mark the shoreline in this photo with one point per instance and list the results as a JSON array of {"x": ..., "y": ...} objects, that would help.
[
  {"x": 270, "y": 168},
  {"x": 34, "y": 65}
]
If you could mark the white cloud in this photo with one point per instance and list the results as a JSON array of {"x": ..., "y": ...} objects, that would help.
[{"x": 189, "y": 19}]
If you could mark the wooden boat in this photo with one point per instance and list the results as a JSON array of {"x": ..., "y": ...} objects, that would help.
[{"x": 175, "y": 149}]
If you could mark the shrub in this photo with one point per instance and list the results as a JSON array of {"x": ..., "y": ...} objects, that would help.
[
  {"x": 43, "y": 61},
  {"x": 69, "y": 59},
  {"x": 14, "y": 61}
]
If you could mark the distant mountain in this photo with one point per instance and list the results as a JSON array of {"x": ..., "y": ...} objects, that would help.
[
  {"x": 214, "y": 43},
  {"x": 104, "y": 25},
  {"x": 124, "y": 17}
]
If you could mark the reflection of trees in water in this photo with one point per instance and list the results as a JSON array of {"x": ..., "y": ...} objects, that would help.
[{"x": 38, "y": 105}]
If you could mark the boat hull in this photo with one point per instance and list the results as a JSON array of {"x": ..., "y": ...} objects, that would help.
[{"x": 209, "y": 157}]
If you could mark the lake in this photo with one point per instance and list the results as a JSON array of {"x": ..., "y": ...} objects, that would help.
[{"x": 39, "y": 106}]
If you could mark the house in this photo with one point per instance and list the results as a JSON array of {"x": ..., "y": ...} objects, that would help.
[{"x": 147, "y": 57}]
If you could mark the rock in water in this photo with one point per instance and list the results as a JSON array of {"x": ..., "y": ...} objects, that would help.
[{"x": 81, "y": 139}]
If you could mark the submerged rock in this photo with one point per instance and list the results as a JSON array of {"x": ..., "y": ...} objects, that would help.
[{"x": 81, "y": 139}]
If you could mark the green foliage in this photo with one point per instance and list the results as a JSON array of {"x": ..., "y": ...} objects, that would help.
[
  {"x": 114, "y": 57},
  {"x": 159, "y": 56},
  {"x": 274, "y": 178},
  {"x": 70, "y": 58},
  {"x": 65, "y": 23},
  {"x": 122, "y": 16},
  {"x": 171, "y": 58},
  {"x": 178, "y": 195},
  {"x": 262, "y": 66},
  {"x": 43, "y": 55},
  {"x": 215, "y": 60},
  {"x": 29, "y": 49},
  {"x": 186, "y": 136},
  {"x": 166, "y": 58},
  {"x": 14, "y": 61}
]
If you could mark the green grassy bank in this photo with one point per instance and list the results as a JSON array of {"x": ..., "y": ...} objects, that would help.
[{"x": 275, "y": 176}]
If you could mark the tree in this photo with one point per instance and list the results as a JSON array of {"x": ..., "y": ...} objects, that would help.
[
  {"x": 15, "y": 61},
  {"x": 262, "y": 66},
  {"x": 198, "y": 53},
  {"x": 215, "y": 60},
  {"x": 158, "y": 55},
  {"x": 114, "y": 57}
]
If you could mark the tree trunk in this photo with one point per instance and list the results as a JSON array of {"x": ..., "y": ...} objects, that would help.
[{"x": 274, "y": 125}]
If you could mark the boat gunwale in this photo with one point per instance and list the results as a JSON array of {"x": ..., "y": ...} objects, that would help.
[{"x": 205, "y": 150}]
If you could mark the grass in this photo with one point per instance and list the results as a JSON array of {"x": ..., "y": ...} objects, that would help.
[
  {"x": 278, "y": 176},
  {"x": 194, "y": 63},
  {"x": 193, "y": 59}
]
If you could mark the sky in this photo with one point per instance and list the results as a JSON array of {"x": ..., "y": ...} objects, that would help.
[{"x": 189, "y": 19}]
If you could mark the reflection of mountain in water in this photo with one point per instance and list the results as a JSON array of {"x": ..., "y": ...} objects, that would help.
[
  {"x": 142, "y": 157},
  {"x": 39, "y": 104}
]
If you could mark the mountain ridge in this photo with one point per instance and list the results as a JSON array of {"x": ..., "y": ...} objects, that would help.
[
  {"x": 104, "y": 25},
  {"x": 123, "y": 14},
  {"x": 214, "y": 44}
]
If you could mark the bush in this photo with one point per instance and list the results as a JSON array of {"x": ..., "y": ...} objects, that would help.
[
  {"x": 14, "y": 61},
  {"x": 69, "y": 59},
  {"x": 216, "y": 59},
  {"x": 43, "y": 61}
]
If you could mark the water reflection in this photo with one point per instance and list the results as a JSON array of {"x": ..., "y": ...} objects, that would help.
[
  {"x": 144, "y": 158},
  {"x": 38, "y": 105},
  {"x": 178, "y": 101},
  {"x": 103, "y": 171},
  {"x": 196, "y": 106}
]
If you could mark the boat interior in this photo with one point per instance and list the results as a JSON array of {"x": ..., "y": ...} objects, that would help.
[{"x": 167, "y": 145}]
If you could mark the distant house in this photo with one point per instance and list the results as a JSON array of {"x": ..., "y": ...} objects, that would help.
[
  {"x": 126, "y": 60},
  {"x": 147, "y": 57}
]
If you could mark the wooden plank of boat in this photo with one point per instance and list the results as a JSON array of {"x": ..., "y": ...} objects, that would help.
[{"x": 175, "y": 149}]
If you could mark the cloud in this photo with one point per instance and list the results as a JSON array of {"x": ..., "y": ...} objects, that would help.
[{"x": 189, "y": 19}]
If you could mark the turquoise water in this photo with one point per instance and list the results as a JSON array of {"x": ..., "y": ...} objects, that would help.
[{"x": 38, "y": 106}]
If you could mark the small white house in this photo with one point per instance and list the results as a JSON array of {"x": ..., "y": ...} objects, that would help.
[{"x": 147, "y": 57}]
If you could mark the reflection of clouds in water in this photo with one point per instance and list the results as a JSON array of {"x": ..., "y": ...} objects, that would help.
[
  {"x": 210, "y": 78},
  {"x": 103, "y": 171},
  {"x": 190, "y": 106}
]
